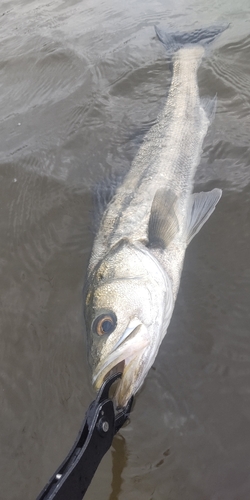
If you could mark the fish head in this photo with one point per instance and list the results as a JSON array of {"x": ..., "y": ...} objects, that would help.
[{"x": 127, "y": 300}]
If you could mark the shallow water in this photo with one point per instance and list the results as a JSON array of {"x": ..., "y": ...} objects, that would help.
[{"x": 80, "y": 81}]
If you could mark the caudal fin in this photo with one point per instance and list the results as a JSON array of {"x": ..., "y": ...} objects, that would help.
[{"x": 176, "y": 40}]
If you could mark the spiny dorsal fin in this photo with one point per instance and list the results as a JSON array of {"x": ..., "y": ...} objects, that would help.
[
  {"x": 163, "y": 222},
  {"x": 202, "y": 206}
]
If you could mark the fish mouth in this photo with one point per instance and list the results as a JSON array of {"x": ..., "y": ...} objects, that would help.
[{"x": 125, "y": 357}]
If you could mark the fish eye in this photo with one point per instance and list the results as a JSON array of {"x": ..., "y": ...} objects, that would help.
[{"x": 105, "y": 324}]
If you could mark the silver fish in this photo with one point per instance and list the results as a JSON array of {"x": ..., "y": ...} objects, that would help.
[{"x": 136, "y": 262}]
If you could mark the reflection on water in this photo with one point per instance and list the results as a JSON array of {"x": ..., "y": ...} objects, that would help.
[
  {"x": 80, "y": 83},
  {"x": 119, "y": 462}
]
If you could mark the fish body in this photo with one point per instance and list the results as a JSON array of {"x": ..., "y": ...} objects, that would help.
[{"x": 136, "y": 262}]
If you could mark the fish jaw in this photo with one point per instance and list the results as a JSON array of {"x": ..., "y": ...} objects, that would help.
[{"x": 131, "y": 352}]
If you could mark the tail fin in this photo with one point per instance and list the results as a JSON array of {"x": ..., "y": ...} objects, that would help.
[{"x": 175, "y": 41}]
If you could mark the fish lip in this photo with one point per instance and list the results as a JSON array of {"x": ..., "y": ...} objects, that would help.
[
  {"x": 133, "y": 324},
  {"x": 124, "y": 350}
]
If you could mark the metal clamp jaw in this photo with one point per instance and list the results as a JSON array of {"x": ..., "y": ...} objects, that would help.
[{"x": 72, "y": 478}]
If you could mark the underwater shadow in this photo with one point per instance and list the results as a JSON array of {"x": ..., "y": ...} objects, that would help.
[{"x": 119, "y": 462}]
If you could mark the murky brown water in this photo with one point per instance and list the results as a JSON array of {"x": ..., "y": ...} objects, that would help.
[{"x": 79, "y": 81}]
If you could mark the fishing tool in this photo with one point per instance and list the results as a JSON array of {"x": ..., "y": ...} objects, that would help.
[{"x": 102, "y": 421}]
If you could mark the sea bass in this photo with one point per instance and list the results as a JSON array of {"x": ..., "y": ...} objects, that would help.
[{"x": 136, "y": 262}]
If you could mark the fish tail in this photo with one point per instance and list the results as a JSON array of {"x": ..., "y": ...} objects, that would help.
[{"x": 173, "y": 41}]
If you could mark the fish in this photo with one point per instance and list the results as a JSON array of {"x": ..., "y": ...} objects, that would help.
[{"x": 135, "y": 267}]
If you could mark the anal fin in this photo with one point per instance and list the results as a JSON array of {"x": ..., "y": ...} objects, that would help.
[
  {"x": 209, "y": 105},
  {"x": 201, "y": 207}
]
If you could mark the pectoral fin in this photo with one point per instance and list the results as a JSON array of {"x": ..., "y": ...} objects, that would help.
[
  {"x": 163, "y": 222},
  {"x": 202, "y": 206}
]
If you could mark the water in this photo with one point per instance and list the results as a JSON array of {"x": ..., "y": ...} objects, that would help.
[{"x": 80, "y": 81}]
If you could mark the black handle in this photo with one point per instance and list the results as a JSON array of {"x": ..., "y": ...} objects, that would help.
[{"x": 73, "y": 477}]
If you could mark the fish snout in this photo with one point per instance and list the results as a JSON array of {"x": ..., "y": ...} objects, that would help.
[{"x": 125, "y": 357}]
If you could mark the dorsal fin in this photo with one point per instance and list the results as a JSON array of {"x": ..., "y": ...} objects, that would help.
[
  {"x": 202, "y": 206},
  {"x": 163, "y": 222}
]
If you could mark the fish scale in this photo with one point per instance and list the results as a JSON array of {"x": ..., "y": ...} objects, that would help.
[
  {"x": 135, "y": 267},
  {"x": 160, "y": 160}
]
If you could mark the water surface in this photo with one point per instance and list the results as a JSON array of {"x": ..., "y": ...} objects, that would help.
[{"x": 80, "y": 83}]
